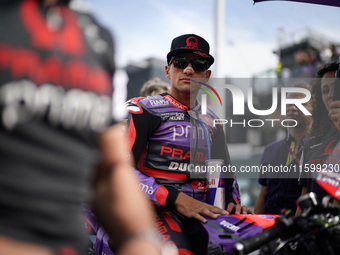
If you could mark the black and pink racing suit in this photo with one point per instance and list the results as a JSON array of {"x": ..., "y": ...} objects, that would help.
[{"x": 169, "y": 141}]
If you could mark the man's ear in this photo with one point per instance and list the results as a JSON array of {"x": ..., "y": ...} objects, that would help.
[
  {"x": 167, "y": 72},
  {"x": 208, "y": 73}
]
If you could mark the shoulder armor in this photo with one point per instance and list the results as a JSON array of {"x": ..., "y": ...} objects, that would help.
[{"x": 133, "y": 106}]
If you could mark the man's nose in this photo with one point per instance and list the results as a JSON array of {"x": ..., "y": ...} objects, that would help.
[
  {"x": 291, "y": 107},
  {"x": 189, "y": 70}
]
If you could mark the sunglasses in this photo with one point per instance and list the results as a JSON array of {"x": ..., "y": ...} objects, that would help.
[{"x": 198, "y": 65}]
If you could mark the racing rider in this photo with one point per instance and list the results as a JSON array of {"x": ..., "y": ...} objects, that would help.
[{"x": 169, "y": 137}]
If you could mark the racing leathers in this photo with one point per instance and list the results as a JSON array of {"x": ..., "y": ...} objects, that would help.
[{"x": 170, "y": 144}]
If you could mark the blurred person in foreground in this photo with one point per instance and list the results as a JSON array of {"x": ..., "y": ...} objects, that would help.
[
  {"x": 58, "y": 137},
  {"x": 322, "y": 150},
  {"x": 154, "y": 87},
  {"x": 280, "y": 191},
  {"x": 165, "y": 133}
]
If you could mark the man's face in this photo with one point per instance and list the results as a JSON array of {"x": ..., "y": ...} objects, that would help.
[
  {"x": 183, "y": 79},
  {"x": 327, "y": 88},
  {"x": 292, "y": 112}
]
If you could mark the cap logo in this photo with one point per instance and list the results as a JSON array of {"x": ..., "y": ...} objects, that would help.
[{"x": 192, "y": 42}]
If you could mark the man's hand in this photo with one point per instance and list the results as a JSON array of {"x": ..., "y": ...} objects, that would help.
[
  {"x": 238, "y": 209},
  {"x": 193, "y": 208}
]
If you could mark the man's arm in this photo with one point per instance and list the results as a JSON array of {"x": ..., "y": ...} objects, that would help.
[
  {"x": 119, "y": 205},
  {"x": 140, "y": 126}
]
